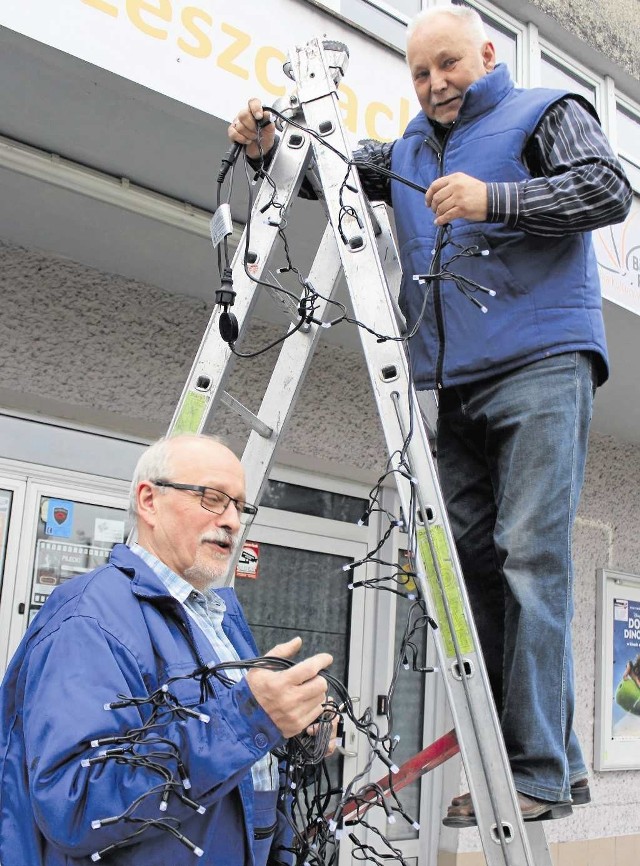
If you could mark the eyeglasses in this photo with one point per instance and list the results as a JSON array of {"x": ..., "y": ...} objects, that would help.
[{"x": 214, "y": 500}]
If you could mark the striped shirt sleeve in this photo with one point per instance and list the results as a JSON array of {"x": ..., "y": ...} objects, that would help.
[
  {"x": 374, "y": 185},
  {"x": 578, "y": 184}
]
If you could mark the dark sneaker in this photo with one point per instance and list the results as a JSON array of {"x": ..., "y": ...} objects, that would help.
[{"x": 461, "y": 813}]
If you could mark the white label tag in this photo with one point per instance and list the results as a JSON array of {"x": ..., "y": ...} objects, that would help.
[{"x": 221, "y": 224}]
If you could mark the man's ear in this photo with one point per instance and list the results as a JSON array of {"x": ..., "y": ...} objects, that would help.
[
  {"x": 146, "y": 498},
  {"x": 488, "y": 56}
]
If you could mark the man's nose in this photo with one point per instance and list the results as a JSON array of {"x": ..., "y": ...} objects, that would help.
[
  {"x": 230, "y": 517},
  {"x": 438, "y": 82}
]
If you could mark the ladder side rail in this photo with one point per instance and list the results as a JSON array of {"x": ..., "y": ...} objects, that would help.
[
  {"x": 459, "y": 655},
  {"x": 480, "y": 737},
  {"x": 214, "y": 360},
  {"x": 286, "y": 383},
  {"x": 429, "y": 493},
  {"x": 472, "y": 707}
]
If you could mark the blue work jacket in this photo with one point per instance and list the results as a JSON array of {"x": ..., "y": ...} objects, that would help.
[{"x": 117, "y": 631}]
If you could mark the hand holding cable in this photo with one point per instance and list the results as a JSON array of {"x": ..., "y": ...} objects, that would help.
[{"x": 243, "y": 129}]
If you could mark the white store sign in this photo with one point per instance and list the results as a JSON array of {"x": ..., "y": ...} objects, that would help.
[
  {"x": 618, "y": 254},
  {"x": 214, "y": 54}
]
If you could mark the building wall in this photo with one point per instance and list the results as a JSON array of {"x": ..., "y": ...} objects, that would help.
[
  {"x": 609, "y": 26},
  {"x": 103, "y": 350},
  {"x": 99, "y": 349}
]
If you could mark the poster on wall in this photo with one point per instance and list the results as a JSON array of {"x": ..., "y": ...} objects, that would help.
[
  {"x": 625, "y": 719},
  {"x": 59, "y": 519},
  {"x": 617, "y": 251},
  {"x": 617, "y": 727}
]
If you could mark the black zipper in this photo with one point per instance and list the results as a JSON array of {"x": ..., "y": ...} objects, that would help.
[
  {"x": 437, "y": 306},
  {"x": 264, "y": 832},
  {"x": 437, "y": 294}
]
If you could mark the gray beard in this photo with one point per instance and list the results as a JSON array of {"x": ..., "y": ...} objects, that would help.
[{"x": 207, "y": 577}]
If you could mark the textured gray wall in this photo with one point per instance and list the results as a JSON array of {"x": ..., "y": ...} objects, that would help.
[
  {"x": 99, "y": 349},
  {"x": 115, "y": 353},
  {"x": 611, "y": 27}
]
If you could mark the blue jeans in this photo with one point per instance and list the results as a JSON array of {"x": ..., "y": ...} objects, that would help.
[{"x": 511, "y": 457}]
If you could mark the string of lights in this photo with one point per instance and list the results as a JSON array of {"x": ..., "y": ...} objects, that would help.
[
  {"x": 307, "y": 300},
  {"x": 318, "y": 810}
]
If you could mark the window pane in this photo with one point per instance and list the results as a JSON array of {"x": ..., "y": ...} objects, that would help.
[
  {"x": 554, "y": 75},
  {"x": 505, "y": 45},
  {"x": 73, "y": 538},
  {"x": 407, "y": 7},
  {"x": 317, "y": 503},
  {"x": 301, "y": 592},
  {"x": 381, "y": 24},
  {"x": 5, "y": 513},
  {"x": 628, "y": 136}
]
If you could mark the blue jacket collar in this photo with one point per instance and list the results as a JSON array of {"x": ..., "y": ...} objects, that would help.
[
  {"x": 144, "y": 581},
  {"x": 481, "y": 97}
]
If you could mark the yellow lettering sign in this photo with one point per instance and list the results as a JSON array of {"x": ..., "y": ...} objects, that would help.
[
  {"x": 160, "y": 9},
  {"x": 102, "y": 6},
  {"x": 241, "y": 41},
  {"x": 202, "y": 47},
  {"x": 381, "y": 121}
]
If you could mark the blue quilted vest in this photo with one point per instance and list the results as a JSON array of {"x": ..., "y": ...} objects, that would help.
[{"x": 547, "y": 288}]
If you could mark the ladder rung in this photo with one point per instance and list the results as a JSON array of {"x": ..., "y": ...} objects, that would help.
[
  {"x": 252, "y": 420},
  {"x": 283, "y": 300}
]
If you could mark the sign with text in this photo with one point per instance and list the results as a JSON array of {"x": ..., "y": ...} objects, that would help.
[
  {"x": 618, "y": 254},
  {"x": 248, "y": 562},
  {"x": 214, "y": 55}
]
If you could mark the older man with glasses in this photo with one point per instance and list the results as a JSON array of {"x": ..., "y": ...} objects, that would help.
[{"x": 108, "y": 662}]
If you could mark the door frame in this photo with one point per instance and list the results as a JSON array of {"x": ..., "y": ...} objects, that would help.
[
  {"x": 18, "y": 489},
  {"x": 34, "y": 481}
]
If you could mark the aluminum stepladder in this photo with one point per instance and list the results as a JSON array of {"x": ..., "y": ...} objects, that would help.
[{"x": 349, "y": 245}]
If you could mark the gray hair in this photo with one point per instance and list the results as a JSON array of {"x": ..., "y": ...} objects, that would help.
[
  {"x": 155, "y": 463},
  {"x": 466, "y": 13}
]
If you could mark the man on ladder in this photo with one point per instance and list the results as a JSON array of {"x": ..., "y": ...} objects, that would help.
[{"x": 516, "y": 180}]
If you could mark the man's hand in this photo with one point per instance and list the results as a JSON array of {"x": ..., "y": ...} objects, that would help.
[
  {"x": 292, "y": 698},
  {"x": 244, "y": 129},
  {"x": 457, "y": 196},
  {"x": 334, "y": 739}
]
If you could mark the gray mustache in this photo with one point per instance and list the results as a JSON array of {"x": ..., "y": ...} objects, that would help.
[{"x": 220, "y": 535}]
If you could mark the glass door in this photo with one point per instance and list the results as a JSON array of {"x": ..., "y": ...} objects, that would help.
[
  {"x": 294, "y": 583},
  {"x": 67, "y": 531}
]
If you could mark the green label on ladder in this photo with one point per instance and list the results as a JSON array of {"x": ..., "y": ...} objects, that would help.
[
  {"x": 447, "y": 585},
  {"x": 191, "y": 414}
]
